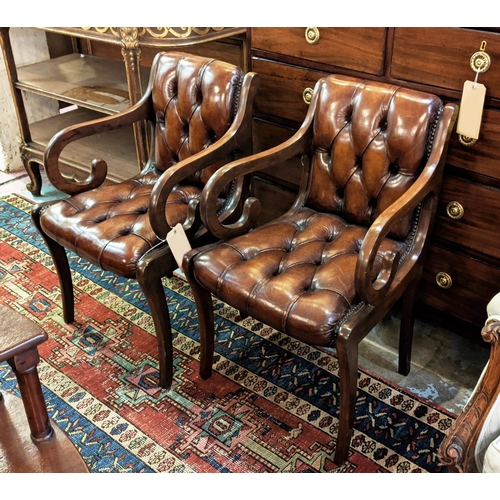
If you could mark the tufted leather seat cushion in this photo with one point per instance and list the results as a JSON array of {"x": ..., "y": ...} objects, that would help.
[
  {"x": 109, "y": 226},
  {"x": 194, "y": 100},
  {"x": 289, "y": 271}
]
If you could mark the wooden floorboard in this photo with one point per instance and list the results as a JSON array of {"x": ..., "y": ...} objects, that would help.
[{"x": 18, "y": 453}]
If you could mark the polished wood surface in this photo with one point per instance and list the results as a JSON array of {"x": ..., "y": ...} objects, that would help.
[
  {"x": 282, "y": 88},
  {"x": 361, "y": 49},
  {"x": 481, "y": 207},
  {"x": 440, "y": 57},
  {"x": 18, "y": 452},
  {"x": 473, "y": 284},
  {"x": 483, "y": 158}
]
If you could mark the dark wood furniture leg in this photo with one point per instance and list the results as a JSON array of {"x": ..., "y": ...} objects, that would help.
[
  {"x": 19, "y": 338},
  {"x": 24, "y": 366}
]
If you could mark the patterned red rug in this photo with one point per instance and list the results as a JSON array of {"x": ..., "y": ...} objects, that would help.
[{"x": 270, "y": 406}]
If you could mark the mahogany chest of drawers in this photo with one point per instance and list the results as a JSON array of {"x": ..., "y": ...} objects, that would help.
[{"x": 462, "y": 266}]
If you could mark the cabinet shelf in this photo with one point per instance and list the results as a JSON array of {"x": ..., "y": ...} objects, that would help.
[
  {"x": 88, "y": 81},
  {"x": 116, "y": 147},
  {"x": 103, "y": 71}
]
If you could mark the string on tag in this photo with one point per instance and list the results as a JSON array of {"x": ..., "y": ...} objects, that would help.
[{"x": 475, "y": 79}]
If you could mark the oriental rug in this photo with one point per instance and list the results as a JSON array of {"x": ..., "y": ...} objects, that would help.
[{"x": 270, "y": 406}]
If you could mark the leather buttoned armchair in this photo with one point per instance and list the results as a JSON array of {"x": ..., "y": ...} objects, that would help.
[
  {"x": 199, "y": 111},
  {"x": 330, "y": 268}
]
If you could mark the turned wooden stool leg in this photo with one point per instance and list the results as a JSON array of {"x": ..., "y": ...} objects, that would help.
[
  {"x": 24, "y": 366},
  {"x": 19, "y": 338}
]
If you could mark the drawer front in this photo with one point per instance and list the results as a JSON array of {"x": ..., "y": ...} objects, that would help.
[
  {"x": 441, "y": 57},
  {"x": 267, "y": 135},
  {"x": 477, "y": 228},
  {"x": 482, "y": 157},
  {"x": 274, "y": 200},
  {"x": 281, "y": 89},
  {"x": 473, "y": 284},
  {"x": 359, "y": 49}
]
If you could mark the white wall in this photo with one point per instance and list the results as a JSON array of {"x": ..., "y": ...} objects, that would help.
[{"x": 29, "y": 46}]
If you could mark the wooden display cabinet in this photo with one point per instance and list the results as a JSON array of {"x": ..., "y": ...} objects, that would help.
[{"x": 104, "y": 72}]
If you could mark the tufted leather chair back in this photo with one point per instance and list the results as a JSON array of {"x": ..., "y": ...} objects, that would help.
[
  {"x": 194, "y": 101},
  {"x": 370, "y": 143}
]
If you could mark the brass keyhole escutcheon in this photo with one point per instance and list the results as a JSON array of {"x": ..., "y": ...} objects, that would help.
[
  {"x": 307, "y": 94},
  {"x": 312, "y": 35},
  {"x": 455, "y": 210},
  {"x": 444, "y": 280}
]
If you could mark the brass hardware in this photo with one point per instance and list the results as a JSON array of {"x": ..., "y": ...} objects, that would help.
[
  {"x": 444, "y": 280},
  {"x": 455, "y": 210},
  {"x": 312, "y": 35},
  {"x": 480, "y": 61},
  {"x": 466, "y": 141},
  {"x": 307, "y": 95}
]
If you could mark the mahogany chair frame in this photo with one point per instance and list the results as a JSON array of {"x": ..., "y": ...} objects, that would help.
[
  {"x": 159, "y": 261},
  {"x": 394, "y": 280}
]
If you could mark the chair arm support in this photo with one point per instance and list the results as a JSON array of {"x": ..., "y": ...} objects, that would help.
[
  {"x": 457, "y": 450},
  {"x": 234, "y": 170},
  {"x": 238, "y": 138},
  {"x": 298, "y": 144},
  {"x": 98, "y": 169},
  {"x": 425, "y": 189}
]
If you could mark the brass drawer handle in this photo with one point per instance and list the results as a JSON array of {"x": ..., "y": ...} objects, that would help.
[
  {"x": 455, "y": 210},
  {"x": 444, "y": 280},
  {"x": 466, "y": 141},
  {"x": 312, "y": 35},
  {"x": 307, "y": 94}
]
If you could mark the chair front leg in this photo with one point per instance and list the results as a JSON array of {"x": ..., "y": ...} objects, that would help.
[
  {"x": 60, "y": 259},
  {"x": 152, "y": 267},
  {"x": 203, "y": 301},
  {"x": 347, "y": 352}
]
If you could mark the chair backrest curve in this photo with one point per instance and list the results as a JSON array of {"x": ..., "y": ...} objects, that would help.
[{"x": 370, "y": 143}]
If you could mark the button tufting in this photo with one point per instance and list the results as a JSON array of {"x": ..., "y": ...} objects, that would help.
[{"x": 393, "y": 168}]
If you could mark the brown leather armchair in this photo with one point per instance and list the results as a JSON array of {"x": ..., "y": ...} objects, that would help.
[
  {"x": 331, "y": 267},
  {"x": 200, "y": 112}
]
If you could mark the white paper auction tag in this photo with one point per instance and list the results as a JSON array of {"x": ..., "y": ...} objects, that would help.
[
  {"x": 178, "y": 243},
  {"x": 471, "y": 109}
]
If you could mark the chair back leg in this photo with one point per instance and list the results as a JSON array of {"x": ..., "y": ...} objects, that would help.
[
  {"x": 347, "y": 353},
  {"x": 406, "y": 329}
]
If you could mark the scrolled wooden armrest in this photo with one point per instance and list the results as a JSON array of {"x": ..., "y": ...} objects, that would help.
[
  {"x": 427, "y": 184},
  {"x": 98, "y": 169},
  {"x": 236, "y": 139},
  {"x": 298, "y": 144},
  {"x": 235, "y": 170},
  {"x": 458, "y": 448}
]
